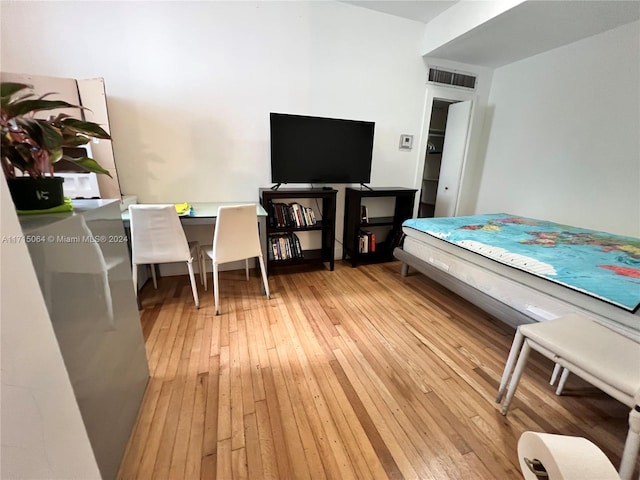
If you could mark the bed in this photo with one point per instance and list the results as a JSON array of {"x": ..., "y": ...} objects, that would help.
[{"x": 523, "y": 270}]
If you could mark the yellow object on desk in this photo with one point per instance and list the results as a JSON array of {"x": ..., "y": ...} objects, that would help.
[
  {"x": 183, "y": 208},
  {"x": 67, "y": 206}
]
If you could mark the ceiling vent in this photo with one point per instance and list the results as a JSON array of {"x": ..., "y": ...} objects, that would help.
[{"x": 452, "y": 78}]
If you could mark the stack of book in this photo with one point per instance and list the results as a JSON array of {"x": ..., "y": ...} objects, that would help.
[
  {"x": 284, "y": 247},
  {"x": 366, "y": 242},
  {"x": 291, "y": 215}
]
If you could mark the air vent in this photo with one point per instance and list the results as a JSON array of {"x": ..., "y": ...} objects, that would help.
[{"x": 452, "y": 78}]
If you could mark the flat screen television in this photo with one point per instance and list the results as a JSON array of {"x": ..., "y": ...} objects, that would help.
[{"x": 308, "y": 149}]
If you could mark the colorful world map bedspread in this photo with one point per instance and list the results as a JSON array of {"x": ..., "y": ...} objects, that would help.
[{"x": 599, "y": 264}]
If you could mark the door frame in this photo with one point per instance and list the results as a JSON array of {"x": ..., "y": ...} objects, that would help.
[{"x": 450, "y": 94}]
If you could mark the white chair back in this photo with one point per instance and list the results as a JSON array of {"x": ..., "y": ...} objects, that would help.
[
  {"x": 157, "y": 235},
  {"x": 236, "y": 234}
]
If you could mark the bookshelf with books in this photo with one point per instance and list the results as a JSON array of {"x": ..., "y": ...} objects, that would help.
[
  {"x": 369, "y": 238},
  {"x": 291, "y": 214}
]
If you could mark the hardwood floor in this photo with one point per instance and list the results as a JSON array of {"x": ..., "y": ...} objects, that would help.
[{"x": 356, "y": 373}]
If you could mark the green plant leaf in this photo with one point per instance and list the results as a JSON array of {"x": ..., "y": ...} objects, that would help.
[
  {"x": 31, "y": 128},
  {"x": 86, "y": 128},
  {"x": 15, "y": 157},
  {"x": 31, "y": 106},
  {"x": 72, "y": 139},
  {"x": 8, "y": 89},
  {"x": 51, "y": 137},
  {"x": 55, "y": 154},
  {"x": 88, "y": 164},
  {"x": 33, "y": 145}
]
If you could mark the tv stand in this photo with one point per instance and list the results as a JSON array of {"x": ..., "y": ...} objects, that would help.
[
  {"x": 276, "y": 186},
  {"x": 363, "y": 186}
]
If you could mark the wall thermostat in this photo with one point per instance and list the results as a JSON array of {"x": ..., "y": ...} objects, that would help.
[{"x": 406, "y": 142}]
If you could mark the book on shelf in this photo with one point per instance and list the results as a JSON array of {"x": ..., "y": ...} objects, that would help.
[
  {"x": 285, "y": 247},
  {"x": 364, "y": 214},
  {"x": 366, "y": 242},
  {"x": 291, "y": 215}
]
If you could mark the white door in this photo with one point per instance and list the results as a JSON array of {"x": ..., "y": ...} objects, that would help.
[{"x": 455, "y": 143}]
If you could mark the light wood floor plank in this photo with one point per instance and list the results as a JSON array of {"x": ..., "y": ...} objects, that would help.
[{"x": 357, "y": 373}]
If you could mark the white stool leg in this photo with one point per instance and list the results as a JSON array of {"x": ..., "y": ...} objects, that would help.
[
  {"x": 511, "y": 360},
  {"x": 563, "y": 380},
  {"x": 631, "y": 446},
  {"x": 515, "y": 378}
]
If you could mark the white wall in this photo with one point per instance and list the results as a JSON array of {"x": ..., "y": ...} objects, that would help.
[
  {"x": 43, "y": 435},
  {"x": 190, "y": 84},
  {"x": 563, "y": 139}
]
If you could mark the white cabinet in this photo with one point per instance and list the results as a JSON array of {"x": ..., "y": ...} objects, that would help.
[{"x": 82, "y": 264}]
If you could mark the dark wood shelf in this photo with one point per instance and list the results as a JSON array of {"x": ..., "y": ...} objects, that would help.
[
  {"x": 377, "y": 222},
  {"x": 320, "y": 225},
  {"x": 325, "y": 225},
  {"x": 404, "y": 199},
  {"x": 314, "y": 256}
]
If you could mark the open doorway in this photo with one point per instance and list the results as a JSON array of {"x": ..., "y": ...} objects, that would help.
[
  {"x": 444, "y": 157},
  {"x": 433, "y": 157}
]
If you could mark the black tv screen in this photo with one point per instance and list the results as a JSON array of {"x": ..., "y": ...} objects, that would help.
[{"x": 320, "y": 150}]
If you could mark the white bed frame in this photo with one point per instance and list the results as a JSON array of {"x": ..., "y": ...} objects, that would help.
[{"x": 507, "y": 293}]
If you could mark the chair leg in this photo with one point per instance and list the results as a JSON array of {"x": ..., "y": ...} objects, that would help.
[
  {"x": 511, "y": 360},
  {"x": 263, "y": 270},
  {"x": 203, "y": 268},
  {"x": 631, "y": 446},
  {"x": 563, "y": 380},
  {"x": 216, "y": 289},
  {"x": 515, "y": 378},
  {"x": 205, "y": 276},
  {"x": 554, "y": 374},
  {"x": 134, "y": 276},
  {"x": 153, "y": 276},
  {"x": 246, "y": 268},
  {"x": 198, "y": 258},
  {"x": 192, "y": 279}
]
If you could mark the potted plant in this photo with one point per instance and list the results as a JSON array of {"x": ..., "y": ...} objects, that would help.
[{"x": 32, "y": 145}]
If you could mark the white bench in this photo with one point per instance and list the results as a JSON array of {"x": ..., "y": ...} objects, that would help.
[{"x": 599, "y": 355}]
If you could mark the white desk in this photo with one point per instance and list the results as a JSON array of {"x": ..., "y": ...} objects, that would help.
[{"x": 205, "y": 213}]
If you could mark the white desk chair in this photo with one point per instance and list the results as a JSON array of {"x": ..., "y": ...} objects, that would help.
[
  {"x": 157, "y": 237},
  {"x": 235, "y": 238}
]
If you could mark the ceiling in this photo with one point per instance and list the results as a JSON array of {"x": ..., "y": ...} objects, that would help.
[
  {"x": 421, "y": 11},
  {"x": 529, "y": 28}
]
